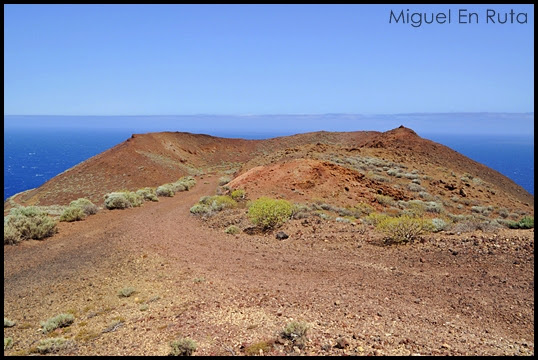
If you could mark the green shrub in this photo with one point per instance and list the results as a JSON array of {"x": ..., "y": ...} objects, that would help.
[
  {"x": 269, "y": 213},
  {"x": 186, "y": 182},
  {"x": 439, "y": 225},
  {"x": 61, "y": 320},
  {"x": 122, "y": 200},
  {"x": 165, "y": 190},
  {"x": 403, "y": 229},
  {"x": 375, "y": 218},
  {"x": 238, "y": 194},
  {"x": 24, "y": 223},
  {"x": 415, "y": 187},
  {"x": 73, "y": 213},
  {"x": 296, "y": 332},
  {"x": 51, "y": 345},
  {"x": 224, "y": 180},
  {"x": 526, "y": 223},
  {"x": 8, "y": 323},
  {"x": 183, "y": 347},
  {"x": 201, "y": 209},
  {"x": 232, "y": 229},
  {"x": 434, "y": 207},
  {"x": 384, "y": 200},
  {"x": 362, "y": 209},
  {"x": 148, "y": 194},
  {"x": 11, "y": 234},
  {"x": 8, "y": 342},
  {"x": 85, "y": 205},
  {"x": 221, "y": 202},
  {"x": 126, "y": 291}
]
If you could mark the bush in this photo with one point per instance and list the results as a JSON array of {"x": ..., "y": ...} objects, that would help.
[
  {"x": 8, "y": 342},
  {"x": 221, "y": 202},
  {"x": 122, "y": 200},
  {"x": 434, "y": 207},
  {"x": 300, "y": 211},
  {"x": 183, "y": 347},
  {"x": 238, "y": 194},
  {"x": 415, "y": 187},
  {"x": 403, "y": 229},
  {"x": 232, "y": 229},
  {"x": 126, "y": 291},
  {"x": 296, "y": 332},
  {"x": 375, "y": 218},
  {"x": 269, "y": 213},
  {"x": 73, "y": 213},
  {"x": 526, "y": 223},
  {"x": 24, "y": 223},
  {"x": 201, "y": 209},
  {"x": 362, "y": 209},
  {"x": 51, "y": 345},
  {"x": 61, "y": 320},
  {"x": 439, "y": 225},
  {"x": 85, "y": 205},
  {"x": 165, "y": 190},
  {"x": 224, "y": 180},
  {"x": 384, "y": 200},
  {"x": 11, "y": 234},
  {"x": 148, "y": 194}
]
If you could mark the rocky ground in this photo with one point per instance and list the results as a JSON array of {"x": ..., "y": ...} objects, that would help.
[{"x": 449, "y": 294}]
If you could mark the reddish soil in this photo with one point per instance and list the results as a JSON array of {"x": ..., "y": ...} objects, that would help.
[{"x": 451, "y": 294}]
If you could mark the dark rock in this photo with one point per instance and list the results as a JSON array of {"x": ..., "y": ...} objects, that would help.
[
  {"x": 281, "y": 235},
  {"x": 463, "y": 193}
]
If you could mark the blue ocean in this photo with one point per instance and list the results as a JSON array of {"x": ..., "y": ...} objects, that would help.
[{"x": 31, "y": 157}]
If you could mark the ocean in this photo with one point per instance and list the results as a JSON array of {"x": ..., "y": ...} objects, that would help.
[{"x": 31, "y": 157}]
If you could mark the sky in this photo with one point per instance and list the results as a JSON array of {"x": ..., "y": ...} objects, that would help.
[{"x": 264, "y": 59}]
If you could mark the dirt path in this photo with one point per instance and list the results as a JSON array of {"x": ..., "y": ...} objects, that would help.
[{"x": 450, "y": 295}]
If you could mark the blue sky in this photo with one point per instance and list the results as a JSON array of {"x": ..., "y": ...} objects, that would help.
[{"x": 262, "y": 59}]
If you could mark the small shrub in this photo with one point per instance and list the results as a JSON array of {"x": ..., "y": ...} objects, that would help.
[
  {"x": 481, "y": 210},
  {"x": 8, "y": 342},
  {"x": 439, "y": 225},
  {"x": 269, "y": 213},
  {"x": 415, "y": 187},
  {"x": 411, "y": 176},
  {"x": 85, "y": 205},
  {"x": 8, "y": 323},
  {"x": 122, "y": 200},
  {"x": 51, "y": 345},
  {"x": 24, "y": 223},
  {"x": 375, "y": 218},
  {"x": 238, "y": 194},
  {"x": 148, "y": 194},
  {"x": 343, "y": 220},
  {"x": 165, "y": 190},
  {"x": 384, "y": 200},
  {"x": 403, "y": 229},
  {"x": 126, "y": 291},
  {"x": 434, "y": 207},
  {"x": 201, "y": 209},
  {"x": 73, "y": 213},
  {"x": 300, "y": 211},
  {"x": 503, "y": 212},
  {"x": 11, "y": 234},
  {"x": 224, "y": 180},
  {"x": 183, "y": 347},
  {"x": 221, "y": 202},
  {"x": 296, "y": 331},
  {"x": 61, "y": 320},
  {"x": 526, "y": 223},
  {"x": 362, "y": 209},
  {"x": 232, "y": 229}
]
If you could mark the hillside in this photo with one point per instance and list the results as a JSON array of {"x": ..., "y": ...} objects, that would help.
[{"x": 467, "y": 289}]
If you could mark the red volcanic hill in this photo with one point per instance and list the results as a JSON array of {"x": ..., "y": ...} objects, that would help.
[{"x": 339, "y": 167}]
